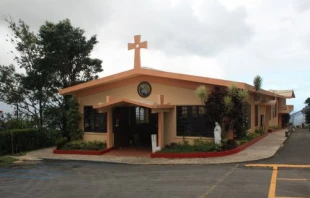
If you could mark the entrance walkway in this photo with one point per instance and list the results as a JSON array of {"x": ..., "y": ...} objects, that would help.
[
  {"x": 265, "y": 148},
  {"x": 130, "y": 152}
]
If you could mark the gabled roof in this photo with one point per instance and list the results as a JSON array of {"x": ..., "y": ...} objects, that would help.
[
  {"x": 285, "y": 93},
  {"x": 268, "y": 103},
  {"x": 139, "y": 102},
  {"x": 157, "y": 73}
]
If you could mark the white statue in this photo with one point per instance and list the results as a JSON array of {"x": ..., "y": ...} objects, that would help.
[{"x": 217, "y": 133}]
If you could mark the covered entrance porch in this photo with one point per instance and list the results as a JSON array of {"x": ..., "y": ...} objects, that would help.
[{"x": 131, "y": 122}]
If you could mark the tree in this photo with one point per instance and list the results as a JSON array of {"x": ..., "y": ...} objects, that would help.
[
  {"x": 258, "y": 83},
  {"x": 307, "y": 111},
  {"x": 56, "y": 57},
  {"x": 73, "y": 120},
  {"x": 307, "y": 102},
  {"x": 214, "y": 103},
  {"x": 227, "y": 106},
  {"x": 236, "y": 103},
  {"x": 36, "y": 81},
  {"x": 67, "y": 50}
]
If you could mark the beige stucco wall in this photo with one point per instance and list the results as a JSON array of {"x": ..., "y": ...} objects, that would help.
[
  {"x": 262, "y": 110},
  {"x": 274, "y": 121},
  {"x": 172, "y": 95},
  {"x": 90, "y": 136}
]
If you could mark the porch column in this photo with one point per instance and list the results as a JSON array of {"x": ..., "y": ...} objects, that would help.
[
  {"x": 267, "y": 118},
  {"x": 160, "y": 134},
  {"x": 280, "y": 120},
  {"x": 109, "y": 129}
]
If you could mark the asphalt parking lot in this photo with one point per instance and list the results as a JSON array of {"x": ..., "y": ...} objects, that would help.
[{"x": 52, "y": 178}]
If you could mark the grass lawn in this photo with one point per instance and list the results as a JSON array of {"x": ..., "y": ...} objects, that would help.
[{"x": 6, "y": 160}]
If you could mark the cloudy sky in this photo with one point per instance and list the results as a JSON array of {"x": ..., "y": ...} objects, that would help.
[{"x": 228, "y": 39}]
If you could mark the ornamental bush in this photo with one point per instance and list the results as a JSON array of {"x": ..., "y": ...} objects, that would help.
[
  {"x": 83, "y": 145},
  {"x": 20, "y": 140},
  {"x": 198, "y": 146}
]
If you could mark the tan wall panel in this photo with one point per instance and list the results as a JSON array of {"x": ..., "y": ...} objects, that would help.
[
  {"x": 170, "y": 126},
  {"x": 89, "y": 136},
  {"x": 173, "y": 95}
]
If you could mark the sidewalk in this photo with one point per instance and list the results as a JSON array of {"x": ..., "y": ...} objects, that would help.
[{"x": 265, "y": 148}]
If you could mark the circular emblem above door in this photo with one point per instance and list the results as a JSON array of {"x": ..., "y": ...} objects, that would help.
[{"x": 144, "y": 89}]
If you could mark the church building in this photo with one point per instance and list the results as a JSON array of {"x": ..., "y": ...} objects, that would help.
[{"x": 127, "y": 108}]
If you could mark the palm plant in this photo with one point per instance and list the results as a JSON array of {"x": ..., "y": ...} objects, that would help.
[
  {"x": 258, "y": 82},
  {"x": 202, "y": 93}
]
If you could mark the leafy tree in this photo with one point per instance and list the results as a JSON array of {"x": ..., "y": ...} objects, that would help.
[
  {"x": 35, "y": 83},
  {"x": 67, "y": 51},
  {"x": 236, "y": 103},
  {"x": 11, "y": 121},
  {"x": 307, "y": 102},
  {"x": 213, "y": 100},
  {"x": 307, "y": 111},
  {"x": 56, "y": 57},
  {"x": 227, "y": 106},
  {"x": 73, "y": 121},
  {"x": 258, "y": 83}
]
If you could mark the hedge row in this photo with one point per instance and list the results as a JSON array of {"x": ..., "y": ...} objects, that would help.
[{"x": 20, "y": 140}]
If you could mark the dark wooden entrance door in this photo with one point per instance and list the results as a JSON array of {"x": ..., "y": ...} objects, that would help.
[
  {"x": 262, "y": 122},
  {"x": 121, "y": 126}
]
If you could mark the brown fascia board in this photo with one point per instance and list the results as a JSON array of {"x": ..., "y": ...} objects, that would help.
[
  {"x": 115, "y": 77},
  {"x": 158, "y": 73},
  {"x": 262, "y": 91}
]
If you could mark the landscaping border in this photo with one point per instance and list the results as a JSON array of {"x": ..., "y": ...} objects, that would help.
[
  {"x": 275, "y": 130},
  {"x": 82, "y": 152},
  {"x": 208, "y": 154}
]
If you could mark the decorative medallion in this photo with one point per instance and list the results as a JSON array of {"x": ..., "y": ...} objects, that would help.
[{"x": 144, "y": 89}]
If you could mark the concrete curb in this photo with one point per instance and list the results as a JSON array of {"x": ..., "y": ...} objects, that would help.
[
  {"x": 209, "y": 154},
  {"x": 263, "y": 149}
]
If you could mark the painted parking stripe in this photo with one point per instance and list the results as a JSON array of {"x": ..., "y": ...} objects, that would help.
[
  {"x": 278, "y": 165},
  {"x": 273, "y": 180},
  {"x": 273, "y": 183},
  {"x": 292, "y": 179}
]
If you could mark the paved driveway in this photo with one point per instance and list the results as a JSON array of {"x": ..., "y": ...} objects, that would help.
[{"x": 52, "y": 178}]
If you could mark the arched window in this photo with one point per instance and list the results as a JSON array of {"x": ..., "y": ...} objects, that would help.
[{"x": 142, "y": 115}]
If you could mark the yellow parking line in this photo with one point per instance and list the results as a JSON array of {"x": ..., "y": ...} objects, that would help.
[
  {"x": 273, "y": 180},
  {"x": 292, "y": 179},
  {"x": 291, "y": 197},
  {"x": 278, "y": 165},
  {"x": 273, "y": 183}
]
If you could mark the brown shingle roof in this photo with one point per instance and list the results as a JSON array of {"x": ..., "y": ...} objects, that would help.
[{"x": 285, "y": 93}]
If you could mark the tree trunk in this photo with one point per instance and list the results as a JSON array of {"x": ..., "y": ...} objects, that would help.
[
  {"x": 231, "y": 131},
  {"x": 64, "y": 116},
  {"x": 41, "y": 113}
]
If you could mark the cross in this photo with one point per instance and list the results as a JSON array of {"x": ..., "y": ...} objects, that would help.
[{"x": 137, "y": 45}]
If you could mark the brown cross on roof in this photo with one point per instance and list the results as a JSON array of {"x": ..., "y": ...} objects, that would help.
[{"x": 137, "y": 45}]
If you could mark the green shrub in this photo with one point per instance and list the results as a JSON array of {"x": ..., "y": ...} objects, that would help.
[
  {"x": 60, "y": 143},
  {"x": 6, "y": 160},
  {"x": 259, "y": 131},
  {"x": 205, "y": 146},
  {"x": 274, "y": 127},
  {"x": 229, "y": 144},
  {"x": 198, "y": 146},
  {"x": 251, "y": 136},
  {"x": 83, "y": 145},
  {"x": 19, "y": 140}
]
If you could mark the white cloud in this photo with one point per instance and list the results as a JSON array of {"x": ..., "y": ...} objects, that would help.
[
  {"x": 302, "y": 5},
  {"x": 234, "y": 40}
]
